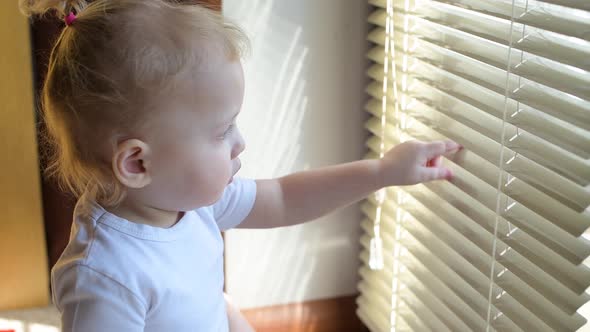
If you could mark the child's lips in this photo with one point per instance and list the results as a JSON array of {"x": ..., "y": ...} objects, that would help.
[
  {"x": 235, "y": 172},
  {"x": 237, "y": 168}
]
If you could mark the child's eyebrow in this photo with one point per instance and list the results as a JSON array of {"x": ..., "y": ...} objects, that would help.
[
  {"x": 228, "y": 119},
  {"x": 233, "y": 117}
]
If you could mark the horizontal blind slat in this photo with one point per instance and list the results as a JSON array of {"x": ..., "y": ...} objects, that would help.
[
  {"x": 520, "y": 5},
  {"x": 578, "y": 217},
  {"x": 426, "y": 311},
  {"x": 426, "y": 100},
  {"x": 442, "y": 40},
  {"x": 550, "y": 287},
  {"x": 578, "y": 4},
  {"x": 544, "y": 263},
  {"x": 366, "y": 315},
  {"x": 550, "y": 45},
  {"x": 545, "y": 319},
  {"x": 369, "y": 313},
  {"x": 563, "y": 134},
  {"x": 375, "y": 285},
  {"x": 512, "y": 308},
  {"x": 542, "y": 271},
  {"x": 573, "y": 249},
  {"x": 438, "y": 318},
  {"x": 519, "y": 289},
  {"x": 434, "y": 303},
  {"x": 564, "y": 20},
  {"x": 472, "y": 319},
  {"x": 554, "y": 102},
  {"x": 450, "y": 75},
  {"x": 460, "y": 109},
  {"x": 374, "y": 308},
  {"x": 461, "y": 287}
]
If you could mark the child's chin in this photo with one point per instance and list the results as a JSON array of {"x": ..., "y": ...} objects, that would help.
[{"x": 230, "y": 180}]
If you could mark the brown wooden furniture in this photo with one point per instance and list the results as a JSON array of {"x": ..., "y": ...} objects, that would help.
[
  {"x": 329, "y": 315},
  {"x": 23, "y": 259}
]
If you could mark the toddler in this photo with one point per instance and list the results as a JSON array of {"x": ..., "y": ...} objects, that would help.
[{"x": 140, "y": 102}]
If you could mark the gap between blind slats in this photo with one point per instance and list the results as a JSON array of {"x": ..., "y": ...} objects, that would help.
[
  {"x": 583, "y": 196},
  {"x": 474, "y": 320},
  {"x": 513, "y": 284},
  {"x": 521, "y": 273},
  {"x": 365, "y": 313},
  {"x": 543, "y": 284},
  {"x": 564, "y": 49},
  {"x": 436, "y": 304},
  {"x": 520, "y": 262},
  {"x": 545, "y": 153},
  {"x": 578, "y": 4},
  {"x": 559, "y": 104},
  {"x": 448, "y": 48},
  {"x": 535, "y": 248},
  {"x": 569, "y": 248},
  {"x": 373, "y": 308},
  {"x": 578, "y": 220},
  {"x": 574, "y": 249},
  {"x": 538, "y": 150},
  {"x": 522, "y": 141},
  {"x": 544, "y": 125},
  {"x": 407, "y": 320},
  {"x": 568, "y": 21},
  {"x": 431, "y": 316},
  {"x": 463, "y": 303},
  {"x": 429, "y": 249},
  {"x": 375, "y": 287},
  {"x": 564, "y": 20},
  {"x": 486, "y": 50},
  {"x": 573, "y": 4},
  {"x": 558, "y": 279},
  {"x": 461, "y": 287},
  {"x": 378, "y": 292},
  {"x": 519, "y": 301}
]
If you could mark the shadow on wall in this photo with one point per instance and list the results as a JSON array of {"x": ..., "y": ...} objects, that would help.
[
  {"x": 300, "y": 111},
  {"x": 280, "y": 87}
]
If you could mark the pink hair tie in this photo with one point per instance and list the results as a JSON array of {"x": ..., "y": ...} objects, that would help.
[{"x": 70, "y": 19}]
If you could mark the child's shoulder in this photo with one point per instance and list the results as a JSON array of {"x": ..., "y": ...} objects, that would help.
[
  {"x": 235, "y": 203},
  {"x": 104, "y": 243}
]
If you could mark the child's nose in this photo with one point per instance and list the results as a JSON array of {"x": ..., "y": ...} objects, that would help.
[{"x": 238, "y": 147}]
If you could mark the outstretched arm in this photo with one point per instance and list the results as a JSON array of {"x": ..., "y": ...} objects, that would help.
[{"x": 307, "y": 195}]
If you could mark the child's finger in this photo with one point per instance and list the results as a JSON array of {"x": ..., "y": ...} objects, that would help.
[
  {"x": 438, "y": 148},
  {"x": 436, "y": 173}
]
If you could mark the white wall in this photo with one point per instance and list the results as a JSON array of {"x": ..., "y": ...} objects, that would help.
[{"x": 303, "y": 109}]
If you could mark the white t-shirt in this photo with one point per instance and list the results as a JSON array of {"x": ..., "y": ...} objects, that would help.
[{"x": 116, "y": 275}]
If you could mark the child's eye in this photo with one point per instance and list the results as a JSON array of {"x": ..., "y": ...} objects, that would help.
[{"x": 228, "y": 131}]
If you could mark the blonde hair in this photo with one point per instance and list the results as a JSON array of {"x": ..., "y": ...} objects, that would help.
[{"x": 104, "y": 71}]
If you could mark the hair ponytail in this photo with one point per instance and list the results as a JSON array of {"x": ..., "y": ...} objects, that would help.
[{"x": 61, "y": 7}]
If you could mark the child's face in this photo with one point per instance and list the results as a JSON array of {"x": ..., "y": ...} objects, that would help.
[{"x": 194, "y": 141}]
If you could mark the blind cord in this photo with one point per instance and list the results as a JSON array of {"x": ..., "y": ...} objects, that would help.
[{"x": 500, "y": 173}]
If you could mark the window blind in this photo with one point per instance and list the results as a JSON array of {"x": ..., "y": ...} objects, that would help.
[{"x": 502, "y": 246}]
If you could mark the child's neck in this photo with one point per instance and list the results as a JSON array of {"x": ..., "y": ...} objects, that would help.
[{"x": 144, "y": 214}]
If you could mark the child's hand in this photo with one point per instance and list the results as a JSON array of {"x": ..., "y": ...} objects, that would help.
[{"x": 414, "y": 162}]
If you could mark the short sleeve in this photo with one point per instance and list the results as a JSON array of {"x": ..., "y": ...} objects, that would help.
[
  {"x": 90, "y": 301},
  {"x": 235, "y": 203}
]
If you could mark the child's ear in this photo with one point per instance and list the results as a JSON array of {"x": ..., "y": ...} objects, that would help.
[{"x": 131, "y": 163}]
